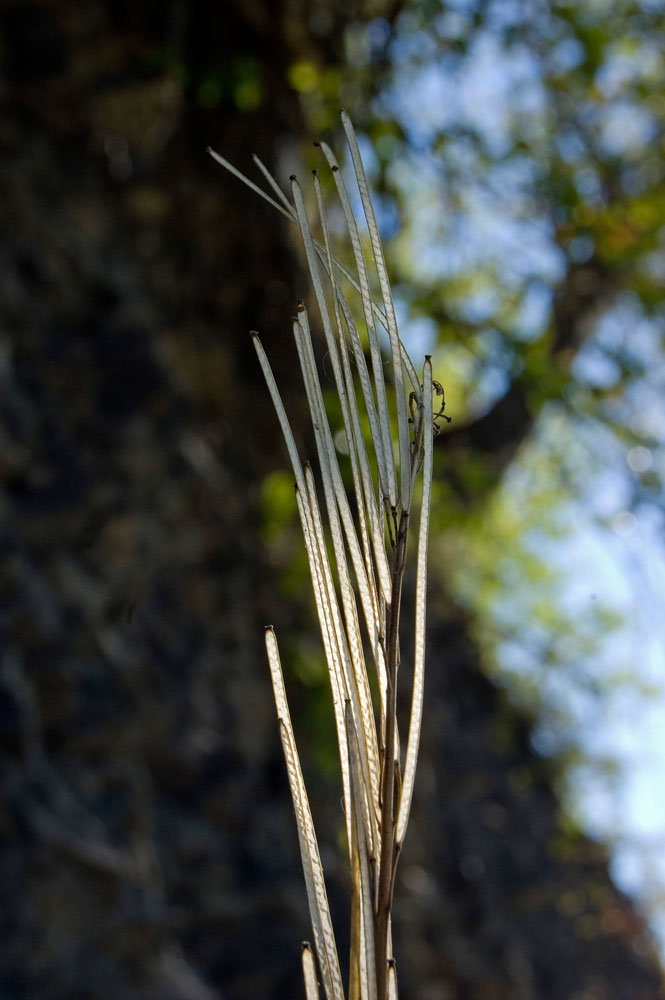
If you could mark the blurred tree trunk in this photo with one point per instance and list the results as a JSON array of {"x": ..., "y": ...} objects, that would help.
[{"x": 148, "y": 846}]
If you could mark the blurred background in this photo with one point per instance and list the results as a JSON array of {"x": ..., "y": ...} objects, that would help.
[{"x": 147, "y": 846}]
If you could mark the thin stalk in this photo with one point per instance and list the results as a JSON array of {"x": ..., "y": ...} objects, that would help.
[
  {"x": 389, "y": 309},
  {"x": 287, "y": 210},
  {"x": 316, "y": 890},
  {"x": 356, "y": 441},
  {"x": 322, "y": 587},
  {"x": 357, "y": 555},
  {"x": 360, "y": 863},
  {"x": 390, "y": 771},
  {"x": 426, "y": 430},
  {"x": 383, "y": 444}
]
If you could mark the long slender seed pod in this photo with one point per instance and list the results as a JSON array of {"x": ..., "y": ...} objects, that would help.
[
  {"x": 351, "y": 648},
  {"x": 316, "y": 891},
  {"x": 357, "y": 448},
  {"x": 363, "y": 886},
  {"x": 376, "y": 310},
  {"x": 319, "y": 912},
  {"x": 421, "y": 595},
  {"x": 332, "y": 478},
  {"x": 378, "y": 538},
  {"x": 250, "y": 184},
  {"x": 384, "y": 441},
  {"x": 389, "y": 307},
  {"x": 287, "y": 433},
  {"x": 287, "y": 210},
  {"x": 327, "y": 611},
  {"x": 353, "y": 685},
  {"x": 347, "y": 403},
  {"x": 276, "y": 188}
]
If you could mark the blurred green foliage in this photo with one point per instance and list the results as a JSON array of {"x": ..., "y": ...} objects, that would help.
[{"x": 517, "y": 153}]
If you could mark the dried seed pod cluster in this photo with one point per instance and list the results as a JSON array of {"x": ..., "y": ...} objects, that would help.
[{"x": 367, "y": 569}]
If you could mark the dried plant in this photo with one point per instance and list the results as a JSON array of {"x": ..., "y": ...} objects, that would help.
[{"x": 366, "y": 568}]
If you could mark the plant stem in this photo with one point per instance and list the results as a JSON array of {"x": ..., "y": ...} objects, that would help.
[{"x": 390, "y": 772}]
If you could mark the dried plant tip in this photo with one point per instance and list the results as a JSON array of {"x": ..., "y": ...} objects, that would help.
[
  {"x": 392, "y": 980},
  {"x": 309, "y": 972}
]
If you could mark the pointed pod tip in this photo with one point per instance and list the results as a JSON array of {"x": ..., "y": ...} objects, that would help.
[
  {"x": 317, "y": 144},
  {"x": 209, "y": 150},
  {"x": 254, "y": 334},
  {"x": 306, "y": 946},
  {"x": 293, "y": 179},
  {"x": 269, "y": 629}
]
